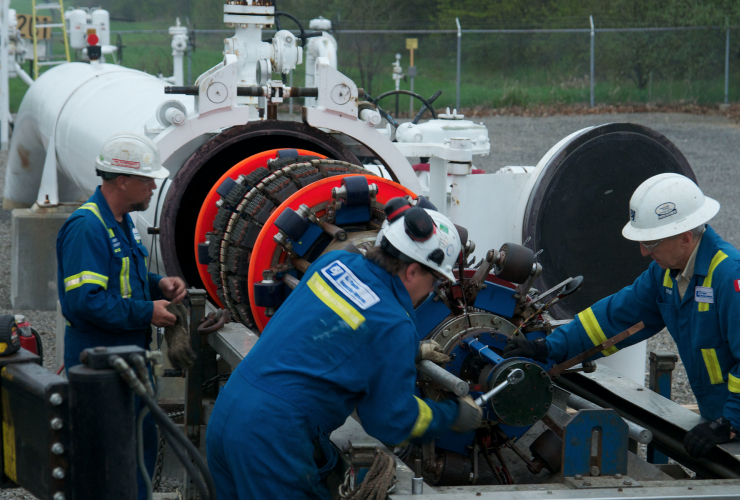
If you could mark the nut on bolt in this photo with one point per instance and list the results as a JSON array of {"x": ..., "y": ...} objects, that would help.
[
  {"x": 56, "y": 423},
  {"x": 57, "y": 448},
  {"x": 58, "y": 473},
  {"x": 56, "y": 399},
  {"x": 59, "y": 495}
]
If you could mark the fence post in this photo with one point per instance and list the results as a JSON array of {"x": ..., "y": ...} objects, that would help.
[
  {"x": 727, "y": 62},
  {"x": 591, "y": 20},
  {"x": 459, "y": 55}
]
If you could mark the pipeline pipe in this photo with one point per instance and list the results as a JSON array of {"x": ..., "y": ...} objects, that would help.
[
  {"x": 636, "y": 432},
  {"x": 444, "y": 378}
]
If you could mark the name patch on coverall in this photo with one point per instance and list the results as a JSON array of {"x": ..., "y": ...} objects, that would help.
[
  {"x": 704, "y": 294},
  {"x": 347, "y": 283}
]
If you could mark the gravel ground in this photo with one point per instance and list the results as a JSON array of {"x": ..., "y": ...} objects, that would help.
[{"x": 710, "y": 143}]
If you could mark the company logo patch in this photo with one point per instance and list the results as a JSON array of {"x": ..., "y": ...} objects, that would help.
[
  {"x": 444, "y": 228},
  {"x": 666, "y": 210},
  {"x": 632, "y": 215},
  {"x": 704, "y": 294},
  {"x": 350, "y": 285},
  {"x": 737, "y": 285},
  {"x": 116, "y": 162},
  {"x": 136, "y": 234}
]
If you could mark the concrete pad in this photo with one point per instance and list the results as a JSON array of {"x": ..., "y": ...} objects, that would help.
[{"x": 33, "y": 268}]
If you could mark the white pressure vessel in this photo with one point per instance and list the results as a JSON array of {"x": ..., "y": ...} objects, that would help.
[
  {"x": 101, "y": 22},
  {"x": 77, "y": 28},
  {"x": 82, "y": 105}
]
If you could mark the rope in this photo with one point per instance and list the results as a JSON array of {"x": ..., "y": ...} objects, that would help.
[{"x": 379, "y": 482}]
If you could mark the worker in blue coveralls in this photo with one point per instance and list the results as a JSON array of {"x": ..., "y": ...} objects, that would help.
[
  {"x": 692, "y": 288},
  {"x": 108, "y": 297},
  {"x": 344, "y": 340}
]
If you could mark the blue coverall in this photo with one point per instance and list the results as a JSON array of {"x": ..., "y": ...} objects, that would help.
[
  {"x": 106, "y": 292},
  {"x": 705, "y": 324},
  {"x": 345, "y": 338}
]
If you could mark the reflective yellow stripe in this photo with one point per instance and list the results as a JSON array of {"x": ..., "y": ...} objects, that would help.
[
  {"x": 594, "y": 331},
  {"x": 85, "y": 278},
  {"x": 125, "y": 284},
  {"x": 9, "y": 453},
  {"x": 733, "y": 383},
  {"x": 667, "y": 281},
  {"x": 715, "y": 372},
  {"x": 94, "y": 209},
  {"x": 423, "y": 420},
  {"x": 718, "y": 257},
  {"x": 336, "y": 303}
]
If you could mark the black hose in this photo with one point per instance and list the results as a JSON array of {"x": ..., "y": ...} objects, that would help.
[
  {"x": 424, "y": 108},
  {"x": 407, "y": 92},
  {"x": 382, "y": 112},
  {"x": 169, "y": 427},
  {"x": 189, "y": 466}
]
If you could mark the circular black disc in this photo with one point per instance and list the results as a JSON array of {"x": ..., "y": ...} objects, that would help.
[{"x": 580, "y": 203}]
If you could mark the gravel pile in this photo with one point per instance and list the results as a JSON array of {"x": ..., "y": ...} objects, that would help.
[{"x": 710, "y": 143}]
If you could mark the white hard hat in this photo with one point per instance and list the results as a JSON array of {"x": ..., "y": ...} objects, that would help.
[
  {"x": 416, "y": 234},
  {"x": 666, "y": 205},
  {"x": 131, "y": 154}
]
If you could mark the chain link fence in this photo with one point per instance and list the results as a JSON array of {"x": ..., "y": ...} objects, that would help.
[{"x": 497, "y": 68}]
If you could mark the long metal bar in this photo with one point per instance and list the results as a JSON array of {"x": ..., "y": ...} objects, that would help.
[
  {"x": 591, "y": 19},
  {"x": 444, "y": 378},
  {"x": 459, "y": 56},
  {"x": 559, "y": 369},
  {"x": 727, "y": 62},
  {"x": 636, "y": 432}
]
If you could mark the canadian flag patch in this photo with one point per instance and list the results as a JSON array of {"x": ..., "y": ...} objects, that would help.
[{"x": 737, "y": 285}]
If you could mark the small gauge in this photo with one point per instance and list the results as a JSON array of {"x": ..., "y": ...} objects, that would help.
[{"x": 341, "y": 94}]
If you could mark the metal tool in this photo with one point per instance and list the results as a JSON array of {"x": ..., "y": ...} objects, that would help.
[
  {"x": 515, "y": 376},
  {"x": 557, "y": 370},
  {"x": 445, "y": 379}
]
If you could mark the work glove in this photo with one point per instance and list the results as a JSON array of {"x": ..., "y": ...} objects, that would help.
[
  {"x": 179, "y": 351},
  {"x": 431, "y": 350},
  {"x": 522, "y": 348},
  {"x": 700, "y": 440},
  {"x": 469, "y": 415}
]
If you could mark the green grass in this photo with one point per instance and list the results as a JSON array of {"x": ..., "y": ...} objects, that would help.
[{"x": 483, "y": 84}]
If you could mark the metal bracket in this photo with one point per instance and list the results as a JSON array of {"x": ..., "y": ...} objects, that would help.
[{"x": 615, "y": 481}]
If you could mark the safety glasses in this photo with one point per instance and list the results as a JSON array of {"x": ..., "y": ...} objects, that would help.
[{"x": 650, "y": 246}]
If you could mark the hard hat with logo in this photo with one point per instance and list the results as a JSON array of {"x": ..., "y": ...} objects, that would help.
[
  {"x": 131, "y": 154},
  {"x": 415, "y": 234},
  {"x": 666, "y": 205}
]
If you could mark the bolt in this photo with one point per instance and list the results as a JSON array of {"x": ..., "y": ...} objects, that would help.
[
  {"x": 627, "y": 483},
  {"x": 594, "y": 471},
  {"x": 289, "y": 39},
  {"x": 551, "y": 388},
  {"x": 57, "y": 448},
  {"x": 478, "y": 494},
  {"x": 640, "y": 389},
  {"x": 543, "y": 374},
  {"x": 618, "y": 476},
  {"x": 578, "y": 477},
  {"x": 55, "y": 399},
  {"x": 56, "y": 423},
  {"x": 58, "y": 473},
  {"x": 494, "y": 400},
  {"x": 527, "y": 366},
  {"x": 587, "y": 483},
  {"x": 59, "y": 495},
  {"x": 518, "y": 422},
  {"x": 546, "y": 405}
]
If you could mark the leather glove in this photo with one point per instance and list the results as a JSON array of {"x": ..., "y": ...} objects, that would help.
[
  {"x": 469, "y": 415},
  {"x": 179, "y": 351},
  {"x": 431, "y": 350},
  {"x": 522, "y": 348},
  {"x": 700, "y": 440}
]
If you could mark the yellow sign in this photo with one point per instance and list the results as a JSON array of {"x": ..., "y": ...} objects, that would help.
[
  {"x": 412, "y": 43},
  {"x": 24, "y": 25}
]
